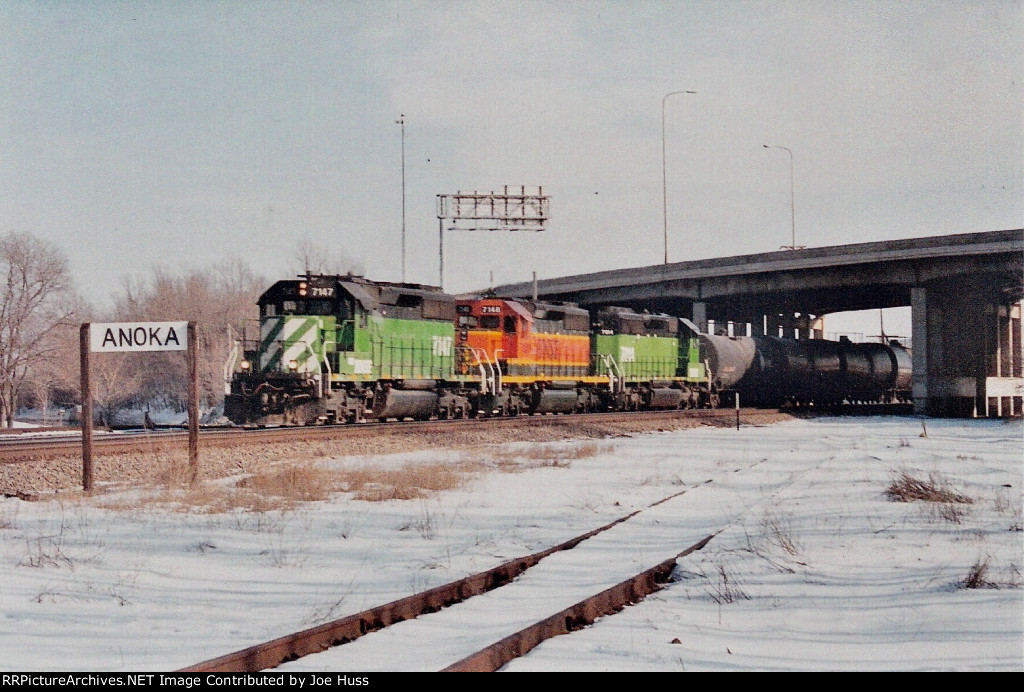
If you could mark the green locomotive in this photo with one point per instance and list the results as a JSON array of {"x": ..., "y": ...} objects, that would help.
[
  {"x": 648, "y": 361},
  {"x": 334, "y": 349}
]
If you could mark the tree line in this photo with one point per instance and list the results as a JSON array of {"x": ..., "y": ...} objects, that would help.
[{"x": 41, "y": 312}]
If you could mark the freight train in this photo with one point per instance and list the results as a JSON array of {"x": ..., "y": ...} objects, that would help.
[{"x": 334, "y": 349}]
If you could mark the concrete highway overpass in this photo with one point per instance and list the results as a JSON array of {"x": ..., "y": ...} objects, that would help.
[{"x": 964, "y": 291}]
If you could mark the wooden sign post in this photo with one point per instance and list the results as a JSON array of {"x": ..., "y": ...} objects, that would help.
[{"x": 122, "y": 337}]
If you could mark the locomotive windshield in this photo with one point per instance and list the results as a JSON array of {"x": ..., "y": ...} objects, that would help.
[{"x": 299, "y": 307}]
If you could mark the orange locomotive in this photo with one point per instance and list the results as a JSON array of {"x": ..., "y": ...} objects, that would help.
[{"x": 530, "y": 356}]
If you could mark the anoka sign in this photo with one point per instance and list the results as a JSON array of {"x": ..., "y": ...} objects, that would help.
[{"x": 138, "y": 336}]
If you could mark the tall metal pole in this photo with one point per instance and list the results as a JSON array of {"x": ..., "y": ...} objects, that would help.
[
  {"x": 792, "y": 196},
  {"x": 442, "y": 214},
  {"x": 401, "y": 121},
  {"x": 664, "y": 176}
]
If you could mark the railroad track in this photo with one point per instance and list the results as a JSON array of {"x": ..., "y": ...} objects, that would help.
[
  {"x": 483, "y": 622},
  {"x": 491, "y": 657},
  {"x": 26, "y": 449}
]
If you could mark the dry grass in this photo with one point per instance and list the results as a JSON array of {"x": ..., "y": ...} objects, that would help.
[
  {"x": 777, "y": 527},
  {"x": 412, "y": 482},
  {"x": 977, "y": 577},
  {"x": 283, "y": 486},
  {"x": 725, "y": 588},
  {"x": 297, "y": 483},
  {"x": 945, "y": 503},
  {"x": 984, "y": 575},
  {"x": 906, "y": 488},
  {"x": 545, "y": 456},
  {"x": 277, "y": 488},
  {"x": 286, "y": 486}
]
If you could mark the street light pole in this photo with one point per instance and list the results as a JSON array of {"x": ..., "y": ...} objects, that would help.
[
  {"x": 792, "y": 198},
  {"x": 664, "y": 176},
  {"x": 401, "y": 121}
]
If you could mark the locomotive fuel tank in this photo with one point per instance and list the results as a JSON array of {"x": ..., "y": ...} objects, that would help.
[
  {"x": 554, "y": 400},
  {"x": 405, "y": 403},
  {"x": 664, "y": 398}
]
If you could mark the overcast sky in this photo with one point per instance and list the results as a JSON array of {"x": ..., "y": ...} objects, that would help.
[{"x": 176, "y": 134}]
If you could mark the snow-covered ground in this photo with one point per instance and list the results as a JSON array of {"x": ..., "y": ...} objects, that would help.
[{"x": 816, "y": 567}]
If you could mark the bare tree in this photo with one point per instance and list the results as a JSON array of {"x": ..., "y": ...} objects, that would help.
[
  {"x": 310, "y": 257},
  {"x": 36, "y": 310},
  {"x": 215, "y": 298}
]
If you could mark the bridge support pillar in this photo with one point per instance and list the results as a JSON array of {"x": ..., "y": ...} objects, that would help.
[
  {"x": 775, "y": 325},
  {"x": 700, "y": 315},
  {"x": 817, "y": 328},
  {"x": 793, "y": 326},
  {"x": 966, "y": 350}
]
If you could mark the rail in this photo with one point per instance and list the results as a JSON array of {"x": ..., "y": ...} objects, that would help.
[
  {"x": 573, "y": 618},
  {"x": 322, "y": 637}
]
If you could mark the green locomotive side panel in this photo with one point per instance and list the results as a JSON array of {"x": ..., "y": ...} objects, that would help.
[
  {"x": 384, "y": 348},
  {"x": 637, "y": 357},
  {"x": 412, "y": 349}
]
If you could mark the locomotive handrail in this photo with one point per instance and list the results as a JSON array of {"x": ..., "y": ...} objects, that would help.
[
  {"x": 615, "y": 374},
  {"x": 490, "y": 380},
  {"x": 330, "y": 373},
  {"x": 320, "y": 384},
  {"x": 485, "y": 379},
  {"x": 229, "y": 364},
  {"x": 324, "y": 343},
  {"x": 608, "y": 368},
  {"x": 497, "y": 371},
  {"x": 621, "y": 374}
]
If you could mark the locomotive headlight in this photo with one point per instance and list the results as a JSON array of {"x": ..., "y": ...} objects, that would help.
[
  {"x": 302, "y": 288},
  {"x": 293, "y": 365},
  {"x": 245, "y": 365}
]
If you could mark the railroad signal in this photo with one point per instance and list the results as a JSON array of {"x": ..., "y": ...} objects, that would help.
[{"x": 516, "y": 208}]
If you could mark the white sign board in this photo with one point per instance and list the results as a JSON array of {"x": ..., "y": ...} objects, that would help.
[{"x": 111, "y": 337}]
